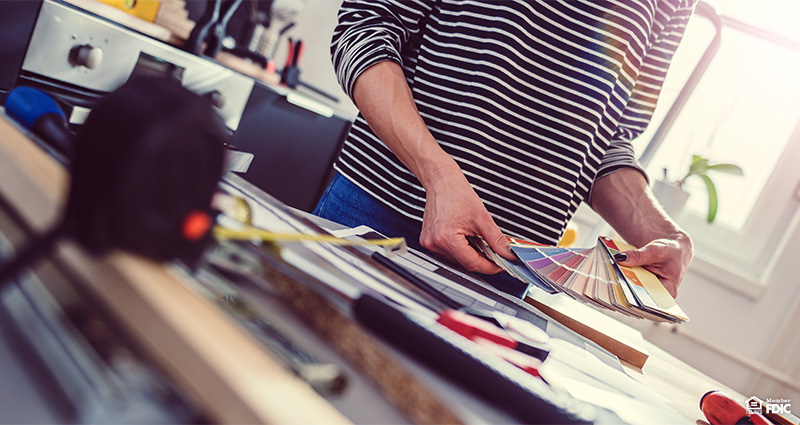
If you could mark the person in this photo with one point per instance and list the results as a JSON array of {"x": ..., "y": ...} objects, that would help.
[{"x": 500, "y": 117}]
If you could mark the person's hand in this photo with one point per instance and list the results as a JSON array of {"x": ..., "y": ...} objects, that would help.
[
  {"x": 623, "y": 199},
  {"x": 666, "y": 258},
  {"x": 454, "y": 211}
]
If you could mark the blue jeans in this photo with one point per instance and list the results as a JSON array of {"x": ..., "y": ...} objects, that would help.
[{"x": 351, "y": 206}]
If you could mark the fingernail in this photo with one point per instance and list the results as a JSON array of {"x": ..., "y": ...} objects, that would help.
[{"x": 621, "y": 257}]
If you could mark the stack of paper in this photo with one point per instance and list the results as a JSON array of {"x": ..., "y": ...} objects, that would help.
[{"x": 590, "y": 275}]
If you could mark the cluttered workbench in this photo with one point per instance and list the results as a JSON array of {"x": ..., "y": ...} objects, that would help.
[
  {"x": 283, "y": 318},
  {"x": 269, "y": 333}
]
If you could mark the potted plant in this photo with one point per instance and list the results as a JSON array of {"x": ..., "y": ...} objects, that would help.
[{"x": 673, "y": 196}]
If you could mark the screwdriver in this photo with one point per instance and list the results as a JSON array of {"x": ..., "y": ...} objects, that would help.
[{"x": 721, "y": 409}]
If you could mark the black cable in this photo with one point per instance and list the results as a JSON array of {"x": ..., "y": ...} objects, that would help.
[{"x": 30, "y": 253}]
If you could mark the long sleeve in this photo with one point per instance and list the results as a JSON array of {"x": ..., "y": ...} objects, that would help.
[
  {"x": 639, "y": 109},
  {"x": 526, "y": 96},
  {"x": 371, "y": 31}
]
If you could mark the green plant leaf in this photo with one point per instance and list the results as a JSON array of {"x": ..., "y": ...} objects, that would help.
[
  {"x": 727, "y": 168},
  {"x": 713, "y": 202},
  {"x": 699, "y": 166}
]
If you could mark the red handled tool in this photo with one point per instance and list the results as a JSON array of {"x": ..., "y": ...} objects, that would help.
[
  {"x": 720, "y": 409},
  {"x": 523, "y": 361},
  {"x": 472, "y": 327},
  {"x": 507, "y": 333},
  {"x": 498, "y": 341},
  {"x": 290, "y": 76}
]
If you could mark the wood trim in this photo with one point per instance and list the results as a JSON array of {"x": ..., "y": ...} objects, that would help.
[{"x": 29, "y": 179}]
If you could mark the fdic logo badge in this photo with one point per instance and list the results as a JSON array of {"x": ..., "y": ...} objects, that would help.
[{"x": 755, "y": 405}]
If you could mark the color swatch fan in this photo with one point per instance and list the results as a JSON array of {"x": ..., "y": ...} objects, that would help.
[{"x": 590, "y": 275}]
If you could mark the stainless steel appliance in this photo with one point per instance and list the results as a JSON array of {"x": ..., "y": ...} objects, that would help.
[{"x": 78, "y": 58}]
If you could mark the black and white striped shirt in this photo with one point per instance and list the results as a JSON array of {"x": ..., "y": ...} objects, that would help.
[{"x": 534, "y": 99}]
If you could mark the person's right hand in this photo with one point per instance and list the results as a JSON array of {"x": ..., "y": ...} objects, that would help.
[
  {"x": 452, "y": 208},
  {"x": 454, "y": 211}
]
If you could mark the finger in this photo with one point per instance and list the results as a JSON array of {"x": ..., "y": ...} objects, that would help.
[
  {"x": 474, "y": 262},
  {"x": 672, "y": 288},
  {"x": 461, "y": 254},
  {"x": 638, "y": 257},
  {"x": 668, "y": 278},
  {"x": 460, "y": 250},
  {"x": 648, "y": 257},
  {"x": 496, "y": 240}
]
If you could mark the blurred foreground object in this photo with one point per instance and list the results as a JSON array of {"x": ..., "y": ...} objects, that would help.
[
  {"x": 720, "y": 409},
  {"x": 145, "y": 165}
]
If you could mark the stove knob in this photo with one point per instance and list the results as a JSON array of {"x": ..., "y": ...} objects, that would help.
[{"x": 86, "y": 55}]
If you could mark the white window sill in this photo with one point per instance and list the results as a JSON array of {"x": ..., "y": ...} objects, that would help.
[
  {"x": 751, "y": 286},
  {"x": 746, "y": 283}
]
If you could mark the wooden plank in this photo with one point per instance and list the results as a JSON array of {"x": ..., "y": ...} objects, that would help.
[
  {"x": 222, "y": 369},
  {"x": 30, "y": 180},
  {"x": 616, "y": 337}
]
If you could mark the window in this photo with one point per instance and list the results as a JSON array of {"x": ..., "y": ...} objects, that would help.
[{"x": 744, "y": 110}]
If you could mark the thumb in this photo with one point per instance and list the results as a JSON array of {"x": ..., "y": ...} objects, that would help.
[
  {"x": 634, "y": 257},
  {"x": 497, "y": 241}
]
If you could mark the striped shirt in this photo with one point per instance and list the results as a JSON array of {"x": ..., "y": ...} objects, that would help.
[{"x": 535, "y": 100}]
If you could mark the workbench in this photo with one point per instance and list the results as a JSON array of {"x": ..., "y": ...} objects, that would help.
[{"x": 212, "y": 362}]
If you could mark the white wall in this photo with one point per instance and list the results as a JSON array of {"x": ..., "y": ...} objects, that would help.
[
  {"x": 747, "y": 343},
  {"x": 315, "y": 24},
  {"x": 730, "y": 336}
]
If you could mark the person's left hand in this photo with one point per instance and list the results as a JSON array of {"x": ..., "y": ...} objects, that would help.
[
  {"x": 623, "y": 199},
  {"x": 666, "y": 258}
]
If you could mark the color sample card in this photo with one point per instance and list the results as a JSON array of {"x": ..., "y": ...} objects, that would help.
[
  {"x": 590, "y": 275},
  {"x": 514, "y": 268}
]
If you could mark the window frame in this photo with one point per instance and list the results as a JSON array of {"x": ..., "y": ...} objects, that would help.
[{"x": 741, "y": 260}]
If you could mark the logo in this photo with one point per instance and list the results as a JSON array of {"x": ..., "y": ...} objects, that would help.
[
  {"x": 755, "y": 405},
  {"x": 777, "y": 405}
]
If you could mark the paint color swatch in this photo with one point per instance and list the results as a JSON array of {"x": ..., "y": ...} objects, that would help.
[{"x": 590, "y": 275}]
